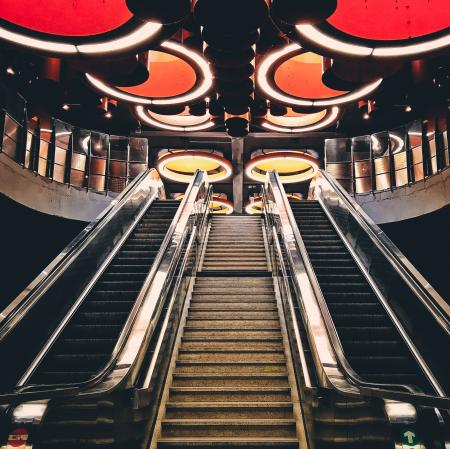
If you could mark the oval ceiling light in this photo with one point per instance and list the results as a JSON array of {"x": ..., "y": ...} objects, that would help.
[
  {"x": 181, "y": 123},
  {"x": 180, "y": 165},
  {"x": 302, "y": 122},
  {"x": 202, "y": 85},
  {"x": 219, "y": 203},
  {"x": 294, "y": 53},
  {"x": 292, "y": 166},
  {"x": 380, "y": 30},
  {"x": 254, "y": 206},
  {"x": 72, "y": 31}
]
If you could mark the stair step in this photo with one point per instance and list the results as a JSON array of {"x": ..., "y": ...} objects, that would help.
[
  {"x": 227, "y": 442},
  {"x": 231, "y": 394},
  {"x": 230, "y": 428},
  {"x": 209, "y": 367},
  {"x": 253, "y": 410},
  {"x": 230, "y": 380}
]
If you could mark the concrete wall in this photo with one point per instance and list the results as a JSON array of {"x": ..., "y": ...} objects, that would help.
[
  {"x": 43, "y": 195},
  {"x": 407, "y": 202}
]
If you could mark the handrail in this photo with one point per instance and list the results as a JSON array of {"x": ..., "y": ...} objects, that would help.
[
  {"x": 16, "y": 310},
  {"x": 329, "y": 352},
  {"x": 434, "y": 302},
  {"x": 140, "y": 323}
]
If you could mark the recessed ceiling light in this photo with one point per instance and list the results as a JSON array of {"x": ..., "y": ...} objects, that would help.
[
  {"x": 65, "y": 106},
  {"x": 108, "y": 114},
  {"x": 408, "y": 108},
  {"x": 366, "y": 116},
  {"x": 10, "y": 71}
]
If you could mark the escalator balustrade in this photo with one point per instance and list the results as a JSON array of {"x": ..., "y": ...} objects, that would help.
[
  {"x": 87, "y": 342},
  {"x": 371, "y": 342}
]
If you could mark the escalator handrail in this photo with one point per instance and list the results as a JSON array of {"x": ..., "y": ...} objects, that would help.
[
  {"x": 410, "y": 394},
  {"x": 18, "y": 308},
  {"x": 432, "y": 300},
  {"x": 50, "y": 391}
]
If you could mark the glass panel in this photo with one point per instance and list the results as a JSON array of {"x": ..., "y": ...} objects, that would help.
[
  {"x": 118, "y": 148},
  {"x": 63, "y": 135},
  {"x": 117, "y": 169},
  {"x": 446, "y": 149},
  {"x": 12, "y": 128},
  {"x": 43, "y": 154},
  {"x": 361, "y": 157},
  {"x": 81, "y": 145},
  {"x": 380, "y": 150},
  {"x": 10, "y": 147},
  {"x": 415, "y": 145},
  {"x": 135, "y": 168},
  {"x": 138, "y": 149},
  {"x": 116, "y": 184},
  {"x": 338, "y": 161},
  {"x": 28, "y": 149},
  {"x": 397, "y": 139}
]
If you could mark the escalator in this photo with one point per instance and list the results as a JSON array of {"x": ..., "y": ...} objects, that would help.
[
  {"x": 372, "y": 344},
  {"x": 87, "y": 341}
]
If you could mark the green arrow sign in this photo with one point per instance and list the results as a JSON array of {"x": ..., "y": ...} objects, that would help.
[{"x": 409, "y": 437}]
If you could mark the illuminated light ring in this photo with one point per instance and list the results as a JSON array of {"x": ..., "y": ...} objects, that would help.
[
  {"x": 266, "y": 70},
  {"x": 227, "y": 207},
  {"x": 224, "y": 165},
  {"x": 201, "y": 88},
  {"x": 140, "y": 35},
  {"x": 322, "y": 38},
  {"x": 219, "y": 205},
  {"x": 145, "y": 117},
  {"x": 328, "y": 120},
  {"x": 254, "y": 207},
  {"x": 283, "y": 155}
]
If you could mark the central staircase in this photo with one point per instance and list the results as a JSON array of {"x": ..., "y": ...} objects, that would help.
[{"x": 230, "y": 385}]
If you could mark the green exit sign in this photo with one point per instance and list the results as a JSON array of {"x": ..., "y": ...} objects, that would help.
[{"x": 409, "y": 438}]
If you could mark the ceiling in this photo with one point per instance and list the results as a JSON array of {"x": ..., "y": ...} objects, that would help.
[{"x": 216, "y": 66}]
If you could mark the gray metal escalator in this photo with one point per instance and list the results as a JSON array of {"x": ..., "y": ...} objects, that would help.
[
  {"x": 367, "y": 330},
  {"x": 86, "y": 343},
  {"x": 372, "y": 344}
]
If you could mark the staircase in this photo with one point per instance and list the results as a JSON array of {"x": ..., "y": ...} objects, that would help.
[{"x": 230, "y": 385}]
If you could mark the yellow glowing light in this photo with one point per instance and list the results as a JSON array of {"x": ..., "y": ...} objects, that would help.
[
  {"x": 181, "y": 165},
  {"x": 218, "y": 204},
  {"x": 292, "y": 166},
  {"x": 254, "y": 206}
]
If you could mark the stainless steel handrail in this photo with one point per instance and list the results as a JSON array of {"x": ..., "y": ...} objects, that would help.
[
  {"x": 434, "y": 302},
  {"x": 129, "y": 350},
  {"x": 328, "y": 352},
  {"x": 19, "y": 307}
]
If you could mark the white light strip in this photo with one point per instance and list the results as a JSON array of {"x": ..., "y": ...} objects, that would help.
[
  {"x": 195, "y": 94},
  {"x": 414, "y": 49},
  {"x": 39, "y": 44},
  {"x": 351, "y": 96},
  {"x": 277, "y": 94},
  {"x": 133, "y": 39},
  {"x": 323, "y": 124},
  {"x": 338, "y": 46},
  {"x": 322, "y": 39},
  {"x": 152, "y": 122},
  {"x": 262, "y": 73}
]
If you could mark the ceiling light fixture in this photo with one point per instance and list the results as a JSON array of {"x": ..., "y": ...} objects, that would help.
[
  {"x": 10, "y": 71},
  {"x": 265, "y": 73},
  {"x": 177, "y": 49},
  {"x": 292, "y": 166}
]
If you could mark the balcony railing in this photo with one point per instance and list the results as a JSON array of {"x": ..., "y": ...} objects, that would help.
[
  {"x": 81, "y": 158},
  {"x": 389, "y": 159}
]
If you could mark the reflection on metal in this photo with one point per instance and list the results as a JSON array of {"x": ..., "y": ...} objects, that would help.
[
  {"x": 180, "y": 165},
  {"x": 292, "y": 166}
]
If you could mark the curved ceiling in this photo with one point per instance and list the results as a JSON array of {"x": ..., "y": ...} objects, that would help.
[
  {"x": 169, "y": 76},
  {"x": 66, "y": 17},
  {"x": 301, "y": 76},
  {"x": 391, "y": 20}
]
